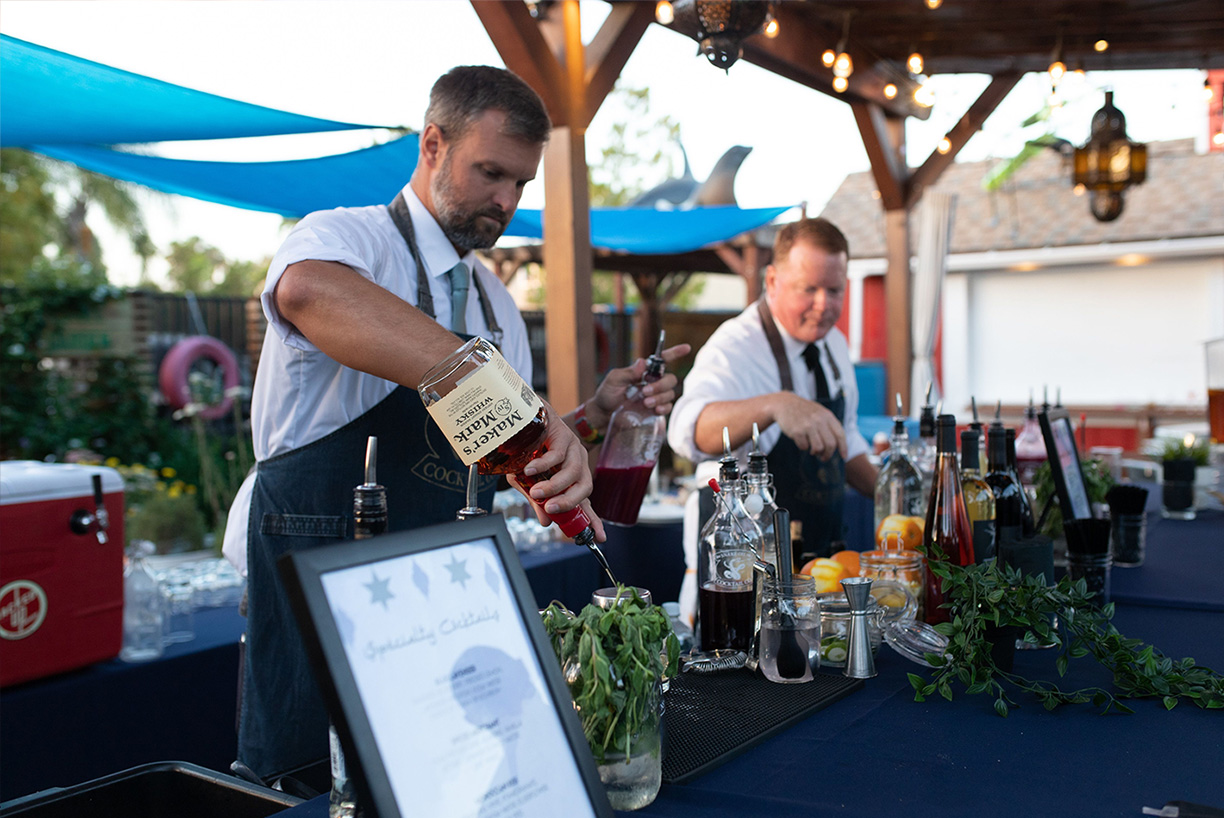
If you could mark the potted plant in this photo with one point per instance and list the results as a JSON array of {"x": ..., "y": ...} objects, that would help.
[
  {"x": 1179, "y": 458},
  {"x": 614, "y": 661}
]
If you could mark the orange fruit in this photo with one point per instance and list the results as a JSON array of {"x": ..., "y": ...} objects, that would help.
[
  {"x": 850, "y": 559},
  {"x": 827, "y": 573},
  {"x": 894, "y": 527}
]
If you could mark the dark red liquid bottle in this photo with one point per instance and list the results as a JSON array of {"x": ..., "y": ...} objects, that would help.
[{"x": 948, "y": 535}]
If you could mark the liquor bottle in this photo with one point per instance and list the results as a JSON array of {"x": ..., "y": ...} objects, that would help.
[
  {"x": 1028, "y": 528},
  {"x": 977, "y": 426},
  {"x": 630, "y": 451},
  {"x": 923, "y": 450},
  {"x": 493, "y": 418},
  {"x": 759, "y": 501},
  {"x": 1030, "y": 446},
  {"x": 898, "y": 488},
  {"x": 979, "y": 499},
  {"x": 1007, "y": 492},
  {"x": 729, "y": 547},
  {"x": 802, "y": 554},
  {"x": 369, "y": 498},
  {"x": 947, "y": 535},
  {"x": 369, "y": 520}
]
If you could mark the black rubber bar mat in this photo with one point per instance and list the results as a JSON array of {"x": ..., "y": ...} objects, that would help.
[{"x": 711, "y": 718}]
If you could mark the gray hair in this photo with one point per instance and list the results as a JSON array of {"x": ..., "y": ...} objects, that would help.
[{"x": 466, "y": 92}]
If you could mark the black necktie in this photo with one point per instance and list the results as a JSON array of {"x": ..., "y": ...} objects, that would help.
[{"x": 811, "y": 356}]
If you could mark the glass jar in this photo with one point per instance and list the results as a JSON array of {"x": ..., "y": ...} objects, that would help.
[
  {"x": 891, "y": 605},
  {"x": 904, "y": 567},
  {"x": 790, "y": 630}
]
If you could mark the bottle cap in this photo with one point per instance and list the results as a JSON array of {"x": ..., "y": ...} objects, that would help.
[{"x": 947, "y": 433}]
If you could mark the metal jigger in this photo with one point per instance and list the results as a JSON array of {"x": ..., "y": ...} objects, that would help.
[
  {"x": 860, "y": 664},
  {"x": 471, "y": 510}
]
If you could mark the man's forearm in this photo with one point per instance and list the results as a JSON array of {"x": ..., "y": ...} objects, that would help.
[
  {"x": 737, "y": 416},
  {"x": 861, "y": 475},
  {"x": 359, "y": 324}
]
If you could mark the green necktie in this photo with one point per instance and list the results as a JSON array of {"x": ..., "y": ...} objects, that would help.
[{"x": 459, "y": 293}]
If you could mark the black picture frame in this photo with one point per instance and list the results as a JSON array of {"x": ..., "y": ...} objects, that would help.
[
  {"x": 308, "y": 574},
  {"x": 1064, "y": 460}
]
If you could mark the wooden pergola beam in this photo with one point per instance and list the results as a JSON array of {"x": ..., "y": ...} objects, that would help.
[
  {"x": 884, "y": 140},
  {"x": 517, "y": 38},
  {"x": 929, "y": 171}
]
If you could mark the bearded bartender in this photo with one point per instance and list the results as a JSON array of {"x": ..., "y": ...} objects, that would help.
[
  {"x": 783, "y": 364},
  {"x": 358, "y": 302}
]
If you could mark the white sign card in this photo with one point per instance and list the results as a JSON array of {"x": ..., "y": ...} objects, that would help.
[{"x": 451, "y": 683}]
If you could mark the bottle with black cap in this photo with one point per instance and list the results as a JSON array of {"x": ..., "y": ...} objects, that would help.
[{"x": 947, "y": 535}]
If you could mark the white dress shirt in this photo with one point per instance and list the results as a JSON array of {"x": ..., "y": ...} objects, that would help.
[
  {"x": 300, "y": 394},
  {"x": 736, "y": 364}
]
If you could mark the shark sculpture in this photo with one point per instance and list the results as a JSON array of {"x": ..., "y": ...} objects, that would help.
[{"x": 684, "y": 192}]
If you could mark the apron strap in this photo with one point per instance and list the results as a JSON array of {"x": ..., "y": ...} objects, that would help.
[
  {"x": 775, "y": 345},
  {"x": 398, "y": 210}
]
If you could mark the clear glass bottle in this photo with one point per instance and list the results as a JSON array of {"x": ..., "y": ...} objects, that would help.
[
  {"x": 947, "y": 535},
  {"x": 730, "y": 545},
  {"x": 898, "y": 488},
  {"x": 923, "y": 450},
  {"x": 629, "y": 452},
  {"x": 144, "y": 607},
  {"x": 979, "y": 499},
  {"x": 759, "y": 502}
]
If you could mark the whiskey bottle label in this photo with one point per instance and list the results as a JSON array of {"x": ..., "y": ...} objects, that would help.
[{"x": 485, "y": 409}]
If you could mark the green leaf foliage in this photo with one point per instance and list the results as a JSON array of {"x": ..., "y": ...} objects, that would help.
[
  {"x": 613, "y": 661},
  {"x": 989, "y": 595}
]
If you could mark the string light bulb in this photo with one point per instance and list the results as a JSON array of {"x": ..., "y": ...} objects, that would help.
[
  {"x": 828, "y": 57},
  {"x": 923, "y": 95},
  {"x": 1208, "y": 91},
  {"x": 915, "y": 63},
  {"x": 772, "y": 28},
  {"x": 1218, "y": 139},
  {"x": 890, "y": 91},
  {"x": 843, "y": 66},
  {"x": 1057, "y": 70},
  {"x": 840, "y": 84},
  {"x": 1079, "y": 190},
  {"x": 664, "y": 13},
  {"x": 933, "y": 4},
  {"x": 1100, "y": 45},
  {"x": 945, "y": 145}
]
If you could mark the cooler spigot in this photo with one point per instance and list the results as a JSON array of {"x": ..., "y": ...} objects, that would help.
[{"x": 98, "y": 521}]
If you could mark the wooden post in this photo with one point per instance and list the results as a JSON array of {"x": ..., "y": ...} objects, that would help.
[{"x": 897, "y": 303}]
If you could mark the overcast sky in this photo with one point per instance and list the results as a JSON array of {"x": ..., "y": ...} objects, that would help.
[{"x": 374, "y": 61}]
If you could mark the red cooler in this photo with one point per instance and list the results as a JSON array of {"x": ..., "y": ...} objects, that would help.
[{"x": 61, "y": 568}]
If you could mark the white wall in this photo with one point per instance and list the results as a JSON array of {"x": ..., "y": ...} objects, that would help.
[{"x": 1105, "y": 334}]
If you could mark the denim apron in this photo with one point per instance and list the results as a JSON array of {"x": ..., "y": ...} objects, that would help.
[
  {"x": 813, "y": 490},
  {"x": 304, "y": 499}
]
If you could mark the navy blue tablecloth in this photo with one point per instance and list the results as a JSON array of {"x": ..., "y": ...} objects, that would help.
[{"x": 1183, "y": 566}]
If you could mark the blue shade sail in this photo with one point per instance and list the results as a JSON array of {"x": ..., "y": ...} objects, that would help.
[
  {"x": 52, "y": 97},
  {"x": 374, "y": 175}
]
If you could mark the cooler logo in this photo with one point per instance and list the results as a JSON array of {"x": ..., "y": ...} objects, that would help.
[{"x": 23, "y": 607}]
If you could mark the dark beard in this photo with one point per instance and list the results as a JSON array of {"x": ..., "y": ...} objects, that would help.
[{"x": 462, "y": 229}]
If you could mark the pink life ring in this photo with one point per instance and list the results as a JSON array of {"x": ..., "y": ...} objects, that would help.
[{"x": 172, "y": 375}]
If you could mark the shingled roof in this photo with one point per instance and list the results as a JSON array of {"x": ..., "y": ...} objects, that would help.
[{"x": 1182, "y": 197}]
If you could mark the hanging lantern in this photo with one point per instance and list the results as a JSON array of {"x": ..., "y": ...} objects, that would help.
[
  {"x": 723, "y": 25},
  {"x": 1109, "y": 162}
]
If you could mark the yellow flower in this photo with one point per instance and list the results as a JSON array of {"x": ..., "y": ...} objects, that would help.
[
  {"x": 176, "y": 490},
  {"x": 191, "y": 489},
  {"x": 168, "y": 472},
  {"x": 112, "y": 462}
]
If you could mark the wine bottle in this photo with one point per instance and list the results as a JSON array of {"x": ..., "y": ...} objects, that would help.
[
  {"x": 493, "y": 418},
  {"x": 1028, "y": 528},
  {"x": 948, "y": 535},
  {"x": 1007, "y": 492},
  {"x": 979, "y": 499},
  {"x": 730, "y": 545},
  {"x": 630, "y": 451},
  {"x": 898, "y": 488}
]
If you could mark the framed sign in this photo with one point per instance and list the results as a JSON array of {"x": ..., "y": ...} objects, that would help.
[
  {"x": 1065, "y": 464},
  {"x": 441, "y": 682}
]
